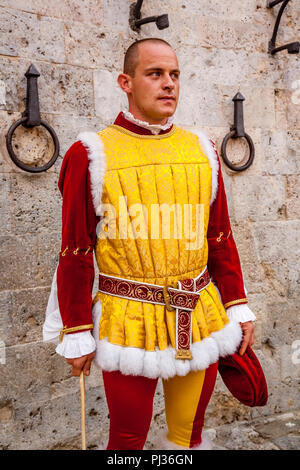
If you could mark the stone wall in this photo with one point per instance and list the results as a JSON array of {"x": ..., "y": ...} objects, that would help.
[{"x": 78, "y": 48}]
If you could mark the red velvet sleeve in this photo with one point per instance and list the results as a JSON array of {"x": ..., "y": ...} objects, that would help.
[
  {"x": 223, "y": 259},
  {"x": 75, "y": 272}
]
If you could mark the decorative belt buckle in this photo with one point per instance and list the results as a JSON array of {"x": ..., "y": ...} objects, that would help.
[
  {"x": 167, "y": 298},
  {"x": 183, "y": 354}
]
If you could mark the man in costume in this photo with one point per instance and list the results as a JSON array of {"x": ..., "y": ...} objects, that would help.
[{"x": 147, "y": 197}]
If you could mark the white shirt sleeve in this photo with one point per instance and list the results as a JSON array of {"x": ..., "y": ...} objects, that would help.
[{"x": 73, "y": 345}]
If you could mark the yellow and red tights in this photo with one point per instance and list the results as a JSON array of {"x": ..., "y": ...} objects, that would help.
[{"x": 130, "y": 404}]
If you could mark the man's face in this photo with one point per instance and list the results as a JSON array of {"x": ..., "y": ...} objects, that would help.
[{"x": 154, "y": 90}]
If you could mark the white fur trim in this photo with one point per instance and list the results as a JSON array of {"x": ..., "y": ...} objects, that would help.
[
  {"x": 228, "y": 339},
  {"x": 163, "y": 443},
  {"x": 209, "y": 151},
  {"x": 97, "y": 165},
  {"x": 162, "y": 363}
]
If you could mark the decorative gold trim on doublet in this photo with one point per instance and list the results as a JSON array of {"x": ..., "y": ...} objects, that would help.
[
  {"x": 142, "y": 136},
  {"x": 234, "y": 302},
  {"x": 73, "y": 329}
]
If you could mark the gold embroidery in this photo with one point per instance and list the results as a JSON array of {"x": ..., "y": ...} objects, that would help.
[
  {"x": 75, "y": 252},
  {"x": 142, "y": 136},
  {"x": 73, "y": 329},
  {"x": 220, "y": 236},
  {"x": 64, "y": 252},
  {"x": 87, "y": 250},
  {"x": 234, "y": 302}
]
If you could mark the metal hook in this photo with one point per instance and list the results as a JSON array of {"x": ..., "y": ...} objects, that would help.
[
  {"x": 292, "y": 47},
  {"x": 30, "y": 118},
  {"x": 237, "y": 130},
  {"x": 135, "y": 21}
]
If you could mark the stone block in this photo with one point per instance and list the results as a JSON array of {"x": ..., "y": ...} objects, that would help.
[
  {"x": 55, "y": 424},
  {"x": 63, "y": 89},
  {"x": 5, "y": 205},
  {"x": 19, "y": 262},
  {"x": 26, "y": 375},
  {"x": 286, "y": 234},
  {"x": 28, "y": 35},
  {"x": 6, "y": 324},
  {"x": 293, "y": 274},
  {"x": 290, "y": 354},
  {"x": 73, "y": 89},
  {"x": 94, "y": 47},
  {"x": 68, "y": 128},
  {"x": 27, "y": 315},
  {"x": 106, "y": 87},
  {"x": 89, "y": 11},
  {"x": 278, "y": 333},
  {"x": 249, "y": 11},
  {"x": 258, "y": 107},
  {"x": 288, "y": 442},
  {"x": 224, "y": 32},
  {"x": 259, "y": 198},
  {"x": 12, "y": 71},
  {"x": 253, "y": 272},
  {"x": 36, "y": 203},
  {"x": 214, "y": 66},
  {"x": 198, "y": 105},
  {"x": 49, "y": 248},
  {"x": 293, "y": 199},
  {"x": 287, "y": 112},
  {"x": 33, "y": 147}
]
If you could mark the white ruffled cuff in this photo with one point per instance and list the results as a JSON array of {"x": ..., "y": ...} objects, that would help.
[
  {"x": 240, "y": 313},
  {"x": 73, "y": 345},
  {"x": 76, "y": 345}
]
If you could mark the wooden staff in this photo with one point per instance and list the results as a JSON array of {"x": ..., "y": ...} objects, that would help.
[{"x": 82, "y": 400}]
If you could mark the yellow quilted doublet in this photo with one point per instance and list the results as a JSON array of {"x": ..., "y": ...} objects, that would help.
[{"x": 155, "y": 200}]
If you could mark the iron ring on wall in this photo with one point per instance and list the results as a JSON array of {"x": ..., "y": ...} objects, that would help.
[
  {"x": 15, "y": 159},
  {"x": 233, "y": 135}
]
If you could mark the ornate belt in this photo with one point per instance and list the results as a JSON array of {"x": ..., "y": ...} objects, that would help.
[{"x": 182, "y": 300}]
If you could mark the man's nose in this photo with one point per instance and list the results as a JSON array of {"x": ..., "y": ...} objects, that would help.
[{"x": 168, "y": 82}]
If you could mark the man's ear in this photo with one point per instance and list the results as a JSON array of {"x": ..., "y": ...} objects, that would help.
[{"x": 125, "y": 82}]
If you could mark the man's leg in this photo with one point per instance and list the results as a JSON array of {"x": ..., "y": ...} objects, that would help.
[
  {"x": 186, "y": 400},
  {"x": 130, "y": 404}
]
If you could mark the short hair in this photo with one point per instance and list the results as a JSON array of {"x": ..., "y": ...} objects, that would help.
[{"x": 131, "y": 58}]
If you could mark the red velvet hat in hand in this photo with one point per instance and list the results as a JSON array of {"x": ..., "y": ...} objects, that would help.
[{"x": 244, "y": 378}]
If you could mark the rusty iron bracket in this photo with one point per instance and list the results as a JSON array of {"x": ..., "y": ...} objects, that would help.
[
  {"x": 30, "y": 118},
  {"x": 237, "y": 130},
  {"x": 292, "y": 47},
  {"x": 135, "y": 20}
]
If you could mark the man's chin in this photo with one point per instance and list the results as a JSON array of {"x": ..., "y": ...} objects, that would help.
[{"x": 165, "y": 112}]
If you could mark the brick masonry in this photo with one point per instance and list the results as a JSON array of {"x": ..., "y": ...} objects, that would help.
[{"x": 78, "y": 48}]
